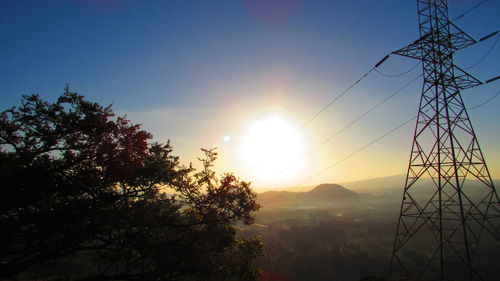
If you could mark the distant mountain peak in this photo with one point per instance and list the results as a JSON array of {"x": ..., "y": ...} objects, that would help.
[
  {"x": 332, "y": 189},
  {"x": 323, "y": 195}
]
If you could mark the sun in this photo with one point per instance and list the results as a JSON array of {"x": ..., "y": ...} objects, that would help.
[{"x": 270, "y": 148}]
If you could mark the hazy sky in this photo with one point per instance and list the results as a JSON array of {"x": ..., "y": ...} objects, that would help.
[{"x": 209, "y": 73}]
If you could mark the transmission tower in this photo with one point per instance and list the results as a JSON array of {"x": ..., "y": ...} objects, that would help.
[{"x": 439, "y": 228}]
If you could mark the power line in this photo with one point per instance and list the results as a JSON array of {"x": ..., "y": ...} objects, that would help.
[
  {"x": 330, "y": 47},
  {"x": 397, "y": 75},
  {"x": 345, "y": 158},
  {"x": 343, "y": 93},
  {"x": 469, "y": 10},
  {"x": 487, "y": 53},
  {"x": 359, "y": 149},
  {"x": 485, "y": 102},
  {"x": 335, "y": 99},
  {"x": 347, "y": 126},
  {"x": 306, "y": 70}
]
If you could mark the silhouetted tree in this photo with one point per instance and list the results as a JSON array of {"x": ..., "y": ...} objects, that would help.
[{"x": 85, "y": 193}]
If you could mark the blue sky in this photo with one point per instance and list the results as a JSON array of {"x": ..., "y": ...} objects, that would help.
[{"x": 196, "y": 71}]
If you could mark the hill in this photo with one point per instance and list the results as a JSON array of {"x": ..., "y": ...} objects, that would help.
[
  {"x": 322, "y": 195},
  {"x": 332, "y": 191}
]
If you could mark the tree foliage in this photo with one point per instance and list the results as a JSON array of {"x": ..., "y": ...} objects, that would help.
[{"x": 84, "y": 194}]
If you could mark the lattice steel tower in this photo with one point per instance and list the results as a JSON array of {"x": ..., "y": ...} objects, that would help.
[{"x": 439, "y": 229}]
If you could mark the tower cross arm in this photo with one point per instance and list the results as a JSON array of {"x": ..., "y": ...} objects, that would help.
[{"x": 453, "y": 40}]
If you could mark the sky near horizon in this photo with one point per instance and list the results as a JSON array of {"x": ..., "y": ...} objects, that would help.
[{"x": 222, "y": 73}]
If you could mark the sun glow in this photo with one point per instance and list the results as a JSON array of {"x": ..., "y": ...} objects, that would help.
[{"x": 270, "y": 148}]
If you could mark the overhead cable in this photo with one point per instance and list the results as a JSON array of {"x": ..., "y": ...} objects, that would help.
[
  {"x": 469, "y": 10},
  {"x": 344, "y": 159},
  {"x": 330, "y": 103},
  {"x": 489, "y": 51},
  {"x": 307, "y": 69},
  {"x": 335, "y": 99},
  {"x": 314, "y": 116},
  {"x": 347, "y": 126},
  {"x": 485, "y": 102},
  {"x": 400, "y": 74}
]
